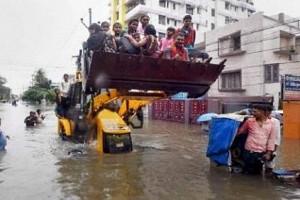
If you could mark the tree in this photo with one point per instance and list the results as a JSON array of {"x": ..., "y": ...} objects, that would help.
[
  {"x": 36, "y": 94},
  {"x": 2, "y": 81},
  {"x": 4, "y": 91},
  {"x": 40, "y": 80},
  {"x": 41, "y": 88}
]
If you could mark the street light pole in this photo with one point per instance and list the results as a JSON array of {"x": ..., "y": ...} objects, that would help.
[{"x": 90, "y": 16}]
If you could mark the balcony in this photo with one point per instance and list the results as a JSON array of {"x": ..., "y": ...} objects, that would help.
[
  {"x": 135, "y": 11},
  {"x": 286, "y": 51},
  {"x": 131, "y": 1},
  {"x": 287, "y": 43}
]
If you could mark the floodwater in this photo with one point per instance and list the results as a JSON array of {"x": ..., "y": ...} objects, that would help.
[{"x": 168, "y": 162}]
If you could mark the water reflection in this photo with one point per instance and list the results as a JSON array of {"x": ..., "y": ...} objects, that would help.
[
  {"x": 168, "y": 162},
  {"x": 100, "y": 177}
]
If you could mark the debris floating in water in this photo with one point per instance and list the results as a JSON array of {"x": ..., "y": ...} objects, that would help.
[{"x": 75, "y": 151}]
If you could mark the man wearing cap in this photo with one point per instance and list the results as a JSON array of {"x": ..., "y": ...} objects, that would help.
[{"x": 260, "y": 142}]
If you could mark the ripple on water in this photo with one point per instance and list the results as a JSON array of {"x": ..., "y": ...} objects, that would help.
[{"x": 168, "y": 162}]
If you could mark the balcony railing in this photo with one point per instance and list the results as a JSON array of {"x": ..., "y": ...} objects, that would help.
[{"x": 134, "y": 4}]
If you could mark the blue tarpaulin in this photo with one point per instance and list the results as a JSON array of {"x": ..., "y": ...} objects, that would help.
[
  {"x": 2, "y": 141},
  {"x": 221, "y": 136}
]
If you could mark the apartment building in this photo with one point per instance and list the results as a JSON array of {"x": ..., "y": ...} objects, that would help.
[
  {"x": 207, "y": 14},
  {"x": 259, "y": 50}
]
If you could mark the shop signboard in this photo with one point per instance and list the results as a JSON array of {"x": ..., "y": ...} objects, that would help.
[{"x": 291, "y": 87}]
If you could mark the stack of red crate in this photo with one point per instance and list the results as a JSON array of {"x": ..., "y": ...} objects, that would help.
[
  {"x": 197, "y": 108},
  {"x": 177, "y": 111},
  {"x": 160, "y": 109}
]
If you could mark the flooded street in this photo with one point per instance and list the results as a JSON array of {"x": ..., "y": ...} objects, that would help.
[{"x": 168, "y": 162}]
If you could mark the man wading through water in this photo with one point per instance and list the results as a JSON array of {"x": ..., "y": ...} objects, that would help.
[{"x": 260, "y": 142}]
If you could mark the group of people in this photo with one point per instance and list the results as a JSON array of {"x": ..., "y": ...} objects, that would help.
[
  {"x": 34, "y": 118},
  {"x": 141, "y": 38},
  {"x": 263, "y": 138}
]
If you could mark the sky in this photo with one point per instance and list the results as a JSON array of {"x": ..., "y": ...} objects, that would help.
[
  {"x": 43, "y": 34},
  {"x": 272, "y": 7},
  {"x": 47, "y": 33}
]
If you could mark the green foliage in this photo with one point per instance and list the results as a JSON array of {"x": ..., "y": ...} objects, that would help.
[
  {"x": 4, "y": 91},
  {"x": 2, "y": 81},
  {"x": 36, "y": 94},
  {"x": 40, "y": 89},
  {"x": 40, "y": 79}
]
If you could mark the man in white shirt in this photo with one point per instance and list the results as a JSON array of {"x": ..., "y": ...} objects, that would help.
[
  {"x": 270, "y": 165},
  {"x": 65, "y": 86},
  {"x": 64, "y": 92}
]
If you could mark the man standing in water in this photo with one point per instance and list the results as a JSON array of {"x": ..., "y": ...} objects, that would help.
[
  {"x": 270, "y": 165},
  {"x": 260, "y": 142},
  {"x": 31, "y": 120}
]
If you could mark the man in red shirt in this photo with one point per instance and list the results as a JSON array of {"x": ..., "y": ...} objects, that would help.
[
  {"x": 260, "y": 142},
  {"x": 188, "y": 31},
  {"x": 177, "y": 50}
]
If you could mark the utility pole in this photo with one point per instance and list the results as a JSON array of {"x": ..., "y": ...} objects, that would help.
[{"x": 90, "y": 16}]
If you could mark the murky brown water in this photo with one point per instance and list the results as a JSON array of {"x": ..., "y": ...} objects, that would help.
[{"x": 168, "y": 162}]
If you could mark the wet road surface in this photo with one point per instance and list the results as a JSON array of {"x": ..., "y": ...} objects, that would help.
[{"x": 168, "y": 162}]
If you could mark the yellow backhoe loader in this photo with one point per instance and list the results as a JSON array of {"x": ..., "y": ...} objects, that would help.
[{"x": 111, "y": 90}]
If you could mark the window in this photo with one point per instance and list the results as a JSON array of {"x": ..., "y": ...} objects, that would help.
[
  {"x": 162, "y": 3},
  {"x": 227, "y": 5},
  {"x": 161, "y": 35},
  {"x": 162, "y": 19},
  {"x": 213, "y": 12},
  {"x": 189, "y": 9},
  {"x": 230, "y": 45},
  {"x": 168, "y": 21},
  {"x": 231, "y": 80},
  {"x": 227, "y": 20},
  {"x": 236, "y": 42},
  {"x": 272, "y": 73},
  {"x": 198, "y": 25},
  {"x": 174, "y": 6},
  {"x": 199, "y": 10},
  {"x": 212, "y": 26}
]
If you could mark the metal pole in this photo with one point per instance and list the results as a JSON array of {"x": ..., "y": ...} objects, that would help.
[{"x": 90, "y": 16}]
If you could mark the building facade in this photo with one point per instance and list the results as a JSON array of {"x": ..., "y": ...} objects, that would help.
[
  {"x": 259, "y": 50},
  {"x": 207, "y": 14}
]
